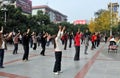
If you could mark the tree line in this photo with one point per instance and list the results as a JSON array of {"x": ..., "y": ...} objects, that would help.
[
  {"x": 104, "y": 21},
  {"x": 16, "y": 20}
]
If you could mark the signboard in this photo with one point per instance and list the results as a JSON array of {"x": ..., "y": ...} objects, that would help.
[
  {"x": 26, "y": 5},
  {"x": 79, "y": 22}
]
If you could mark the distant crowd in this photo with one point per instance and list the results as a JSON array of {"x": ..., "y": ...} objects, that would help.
[{"x": 43, "y": 39}]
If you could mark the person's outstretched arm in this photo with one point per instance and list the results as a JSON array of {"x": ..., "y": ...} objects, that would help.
[{"x": 1, "y": 30}]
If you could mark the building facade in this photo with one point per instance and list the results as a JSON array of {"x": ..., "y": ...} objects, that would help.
[
  {"x": 25, "y": 5},
  {"x": 113, "y": 7},
  {"x": 54, "y": 15}
]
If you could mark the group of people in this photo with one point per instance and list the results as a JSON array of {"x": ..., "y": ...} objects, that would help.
[{"x": 59, "y": 40}]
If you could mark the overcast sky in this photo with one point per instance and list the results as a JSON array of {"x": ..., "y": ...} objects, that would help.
[{"x": 76, "y": 9}]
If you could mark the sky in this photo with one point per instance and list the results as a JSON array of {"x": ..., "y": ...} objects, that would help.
[{"x": 76, "y": 9}]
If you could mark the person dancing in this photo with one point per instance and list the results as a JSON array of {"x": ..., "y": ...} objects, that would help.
[{"x": 58, "y": 51}]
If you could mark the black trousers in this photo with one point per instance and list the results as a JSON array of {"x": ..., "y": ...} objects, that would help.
[
  {"x": 35, "y": 46},
  {"x": 65, "y": 44},
  {"x": 15, "y": 48},
  {"x": 58, "y": 58},
  {"x": 43, "y": 49},
  {"x": 70, "y": 43},
  {"x": 1, "y": 57},
  {"x": 93, "y": 45},
  {"x": 26, "y": 52},
  {"x": 77, "y": 53}
]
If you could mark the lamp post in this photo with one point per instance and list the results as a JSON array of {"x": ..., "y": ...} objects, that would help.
[
  {"x": 111, "y": 19},
  {"x": 5, "y": 18}
]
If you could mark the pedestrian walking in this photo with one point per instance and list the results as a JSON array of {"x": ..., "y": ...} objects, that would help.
[
  {"x": 58, "y": 51},
  {"x": 25, "y": 42}
]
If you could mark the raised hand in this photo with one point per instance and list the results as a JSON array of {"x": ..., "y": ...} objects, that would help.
[
  {"x": 28, "y": 30},
  {"x": 60, "y": 28},
  {"x": 1, "y": 29},
  {"x": 64, "y": 28}
]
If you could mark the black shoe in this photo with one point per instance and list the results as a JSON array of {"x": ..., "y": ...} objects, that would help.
[
  {"x": 42, "y": 54},
  {"x": 2, "y": 67},
  {"x": 76, "y": 59}
]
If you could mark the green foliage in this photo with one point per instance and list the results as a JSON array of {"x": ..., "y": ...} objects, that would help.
[
  {"x": 16, "y": 20},
  {"x": 103, "y": 21}
]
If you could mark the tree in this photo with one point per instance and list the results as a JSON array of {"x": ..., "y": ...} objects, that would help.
[
  {"x": 102, "y": 21},
  {"x": 92, "y": 26}
]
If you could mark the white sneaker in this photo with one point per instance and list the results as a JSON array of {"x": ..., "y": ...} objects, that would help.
[{"x": 56, "y": 73}]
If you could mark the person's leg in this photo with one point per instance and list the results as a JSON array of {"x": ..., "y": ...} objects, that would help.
[
  {"x": 56, "y": 62},
  {"x": 1, "y": 57},
  {"x": 76, "y": 57},
  {"x": 70, "y": 42},
  {"x": 59, "y": 61},
  {"x": 78, "y": 53},
  {"x": 86, "y": 47},
  {"x": 27, "y": 53},
  {"x": 24, "y": 55},
  {"x": 65, "y": 46},
  {"x": 14, "y": 49},
  {"x": 43, "y": 50},
  {"x": 35, "y": 46}
]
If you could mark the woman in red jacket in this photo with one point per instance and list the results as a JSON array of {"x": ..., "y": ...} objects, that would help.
[{"x": 77, "y": 46}]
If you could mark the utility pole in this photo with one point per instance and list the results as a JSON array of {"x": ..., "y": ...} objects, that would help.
[
  {"x": 111, "y": 19},
  {"x": 3, "y": 4},
  {"x": 5, "y": 18}
]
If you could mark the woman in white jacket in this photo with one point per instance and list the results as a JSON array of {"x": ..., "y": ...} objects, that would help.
[{"x": 58, "y": 51}]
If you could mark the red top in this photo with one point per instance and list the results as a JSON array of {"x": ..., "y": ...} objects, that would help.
[
  {"x": 77, "y": 39},
  {"x": 93, "y": 38}
]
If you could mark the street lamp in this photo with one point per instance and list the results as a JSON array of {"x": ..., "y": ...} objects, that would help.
[
  {"x": 5, "y": 10},
  {"x": 111, "y": 19}
]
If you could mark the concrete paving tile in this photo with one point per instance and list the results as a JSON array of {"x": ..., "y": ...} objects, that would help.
[{"x": 105, "y": 65}]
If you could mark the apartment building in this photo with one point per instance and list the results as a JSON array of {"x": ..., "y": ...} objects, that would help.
[{"x": 55, "y": 16}]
